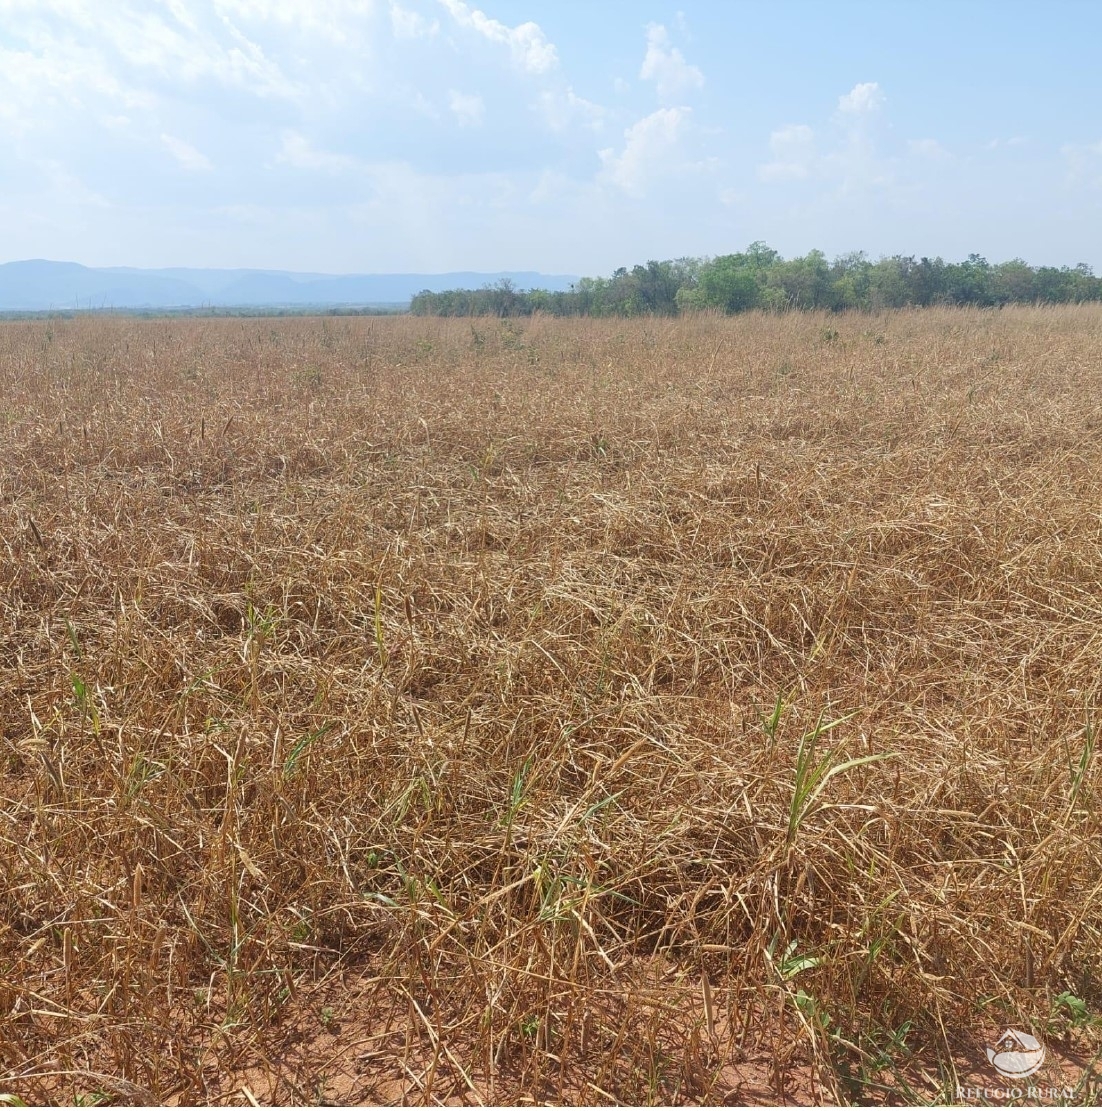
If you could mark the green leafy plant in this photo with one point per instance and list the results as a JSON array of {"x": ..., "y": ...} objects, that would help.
[
  {"x": 301, "y": 747},
  {"x": 773, "y": 721},
  {"x": 1069, "y": 1012},
  {"x": 812, "y": 776},
  {"x": 1079, "y": 770}
]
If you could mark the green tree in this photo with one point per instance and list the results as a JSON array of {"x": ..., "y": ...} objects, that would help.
[
  {"x": 805, "y": 282},
  {"x": 1011, "y": 281},
  {"x": 969, "y": 283},
  {"x": 888, "y": 286},
  {"x": 850, "y": 276},
  {"x": 729, "y": 283}
]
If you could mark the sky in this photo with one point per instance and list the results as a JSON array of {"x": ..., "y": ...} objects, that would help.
[{"x": 566, "y": 136}]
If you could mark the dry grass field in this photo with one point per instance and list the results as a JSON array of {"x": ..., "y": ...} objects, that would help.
[{"x": 420, "y": 711}]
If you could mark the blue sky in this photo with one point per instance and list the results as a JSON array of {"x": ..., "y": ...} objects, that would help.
[{"x": 567, "y": 136}]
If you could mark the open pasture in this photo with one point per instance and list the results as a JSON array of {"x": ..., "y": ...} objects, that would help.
[{"x": 650, "y": 711}]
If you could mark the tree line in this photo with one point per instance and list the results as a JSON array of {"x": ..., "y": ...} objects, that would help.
[{"x": 759, "y": 278}]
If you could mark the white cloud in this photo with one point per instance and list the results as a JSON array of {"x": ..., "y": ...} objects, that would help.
[
  {"x": 180, "y": 13},
  {"x": 847, "y": 156},
  {"x": 1084, "y": 163},
  {"x": 58, "y": 74},
  {"x": 552, "y": 185},
  {"x": 241, "y": 213},
  {"x": 296, "y": 150},
  {"x": 665, "y": 65},
  {"x": 928, "y": 148},
  {"x": 77, "y": 55},
  {"x": 185, "y": 153},
  {"x": 528, "y": 46},
  {"x": 177, "y": 51},
  {"x": 562, "y": 108},
  {"x": 855, "y": 163},
  {"x": 862, "y": 99},
  {"x": 649, "y": 146},
  {"x": 419, "y": 103},
  {"x": 79, "y": 10},
  {"x": 402, "y": 218},
  {"x": 1013, "y": 141},
  {"x": 334, "y": 20},
  {"x": 67, "y": 186},
  {"x": 793, "y": 150},
  {"x": 408, "y": 24},
  {"x": 857, "y": 166},
  {"x": 298, "y": 13},
  {"x": 469, "y": 109}
]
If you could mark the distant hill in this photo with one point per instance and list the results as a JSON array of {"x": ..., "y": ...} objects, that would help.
[{"x": 38, "y": 285}]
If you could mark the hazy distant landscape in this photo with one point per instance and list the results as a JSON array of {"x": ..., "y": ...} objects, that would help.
[
  {"x": 38, "y": 285},
  {"x": 757, "y": 278}
]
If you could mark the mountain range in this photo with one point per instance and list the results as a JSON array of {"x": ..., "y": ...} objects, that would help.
[{"x": 38, "y": 285}]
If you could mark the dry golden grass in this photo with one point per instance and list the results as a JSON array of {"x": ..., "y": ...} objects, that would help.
[{"x": 395, "y": 709}]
